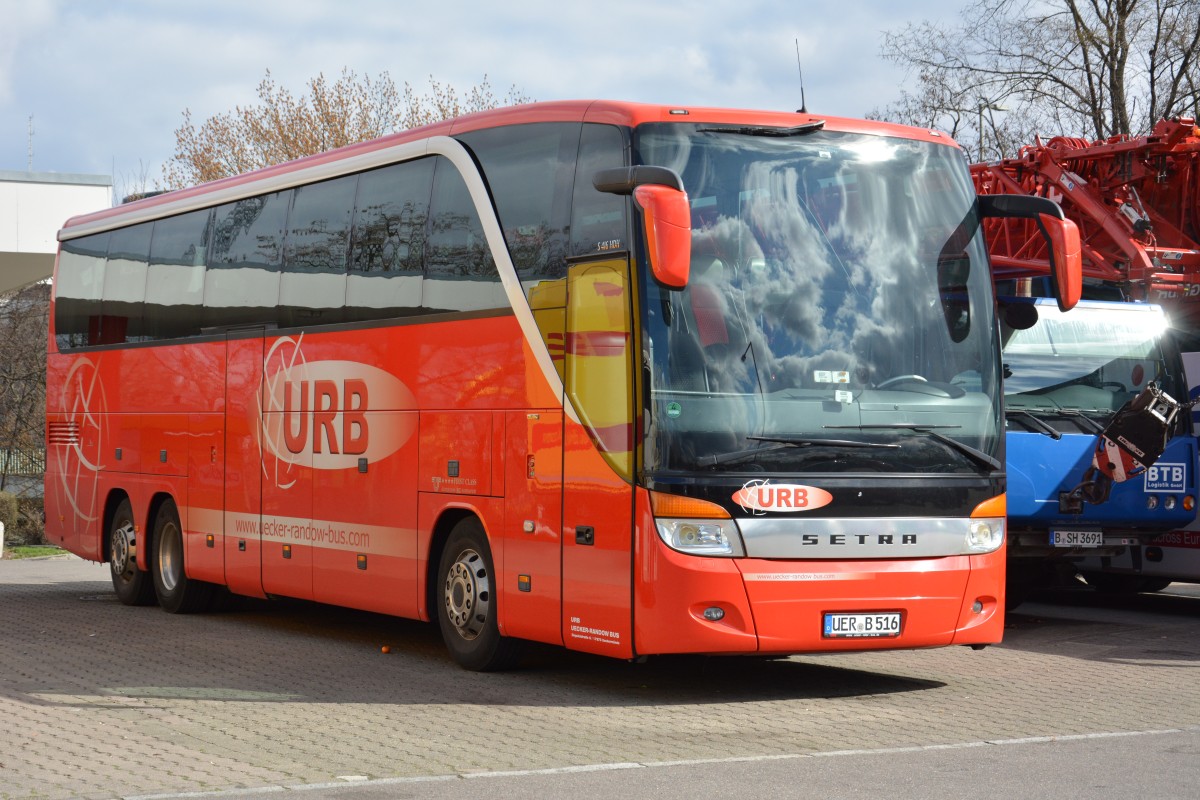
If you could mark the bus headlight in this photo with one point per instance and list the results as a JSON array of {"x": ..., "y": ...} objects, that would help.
[
  {"x": 985, "y": 535},
  {"x": 701, "y": 537},
  {"x": 695, "y": 526}
]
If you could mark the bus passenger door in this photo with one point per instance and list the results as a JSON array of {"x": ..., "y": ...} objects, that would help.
[
  {"x": 530, "y": 559},
  {"x": 243, "y": 463},
  {"x": 598, "y": 460}
]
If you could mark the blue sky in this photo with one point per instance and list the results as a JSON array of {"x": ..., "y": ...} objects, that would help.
[{"x": 107, "y": 82}]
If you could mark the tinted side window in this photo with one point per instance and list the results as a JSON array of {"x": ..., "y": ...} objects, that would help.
[
  {"x": 598, "y": 223},
  {"x": 122, "y": 305},
  {"x": 175, "y": 281},
  {"x": 313, "y": 287},
  {"x": 77, "y": 291},
  {"x": 387, "y": 252},
  {"x": 530, "y": 169},
  {"x": 319, "y": 226},
  {"x": 241, "y": 286},
  {"x": 460, "y": 274}
]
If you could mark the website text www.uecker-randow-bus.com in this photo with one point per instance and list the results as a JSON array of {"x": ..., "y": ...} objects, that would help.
[{"x": 313, "y": 533}]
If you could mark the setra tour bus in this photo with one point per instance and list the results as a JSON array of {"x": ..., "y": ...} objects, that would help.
[{"x": 624, "y": 378}]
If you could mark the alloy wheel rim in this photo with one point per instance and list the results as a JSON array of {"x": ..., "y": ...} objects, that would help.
[
  {"x": 467, "y": 595},
  {"x": 170, "y": 556},
  {"x": 122, "y": 545}
]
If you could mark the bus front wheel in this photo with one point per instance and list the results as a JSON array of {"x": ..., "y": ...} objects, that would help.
[
  {"x": 467, "y": 602},
  {"x": 177, "y": 593},
  {"x": 133, "y": 586}
]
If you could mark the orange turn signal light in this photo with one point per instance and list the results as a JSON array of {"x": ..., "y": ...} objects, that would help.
[
  {"x": 993, "y": 507},
  {"x": 673, "y": 505}
]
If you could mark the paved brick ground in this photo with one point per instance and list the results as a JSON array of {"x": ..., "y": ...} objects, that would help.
[{"x": 98, "y": 700}]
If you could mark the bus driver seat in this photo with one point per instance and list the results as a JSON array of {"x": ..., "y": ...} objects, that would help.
[
  {"x": 718, "y": 328},
  {"x": 707, "y": 308}
]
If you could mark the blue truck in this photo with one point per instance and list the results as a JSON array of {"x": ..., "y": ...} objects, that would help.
[
  {"x": 1066, "y": 375},
  {"x": 1171, "y": 557}
]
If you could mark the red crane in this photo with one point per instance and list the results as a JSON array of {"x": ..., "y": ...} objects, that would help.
[{"x": 1136, "y": 201}]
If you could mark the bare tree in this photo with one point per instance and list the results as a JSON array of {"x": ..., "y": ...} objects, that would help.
[
  {"x": 23, "y": 317},
  {"x": 282, "y": 127},
  {"x": 1086, "y": 68},
  {"x": 133, "y": 185}
]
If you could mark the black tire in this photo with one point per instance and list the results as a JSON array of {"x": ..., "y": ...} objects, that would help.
[
  {"x": 1026, "y": 578},
  {"x": 1113, "y": 583},
  {"x": 1154, "y": 584},
  {"x": 1015, "y": 595},
  {"x": 134, "y": 586},
  {"x": 176, "y": 593},
  {"x": 466, "y": 602}
]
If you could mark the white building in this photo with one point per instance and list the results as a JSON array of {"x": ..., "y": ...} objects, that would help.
[{"x": 33, "y": 206}]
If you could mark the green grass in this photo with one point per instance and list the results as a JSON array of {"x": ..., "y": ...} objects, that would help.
[{"x": 32, "y": 551}]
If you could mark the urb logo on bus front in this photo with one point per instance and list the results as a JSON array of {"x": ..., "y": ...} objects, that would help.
[{"x": 758, "y": 497}]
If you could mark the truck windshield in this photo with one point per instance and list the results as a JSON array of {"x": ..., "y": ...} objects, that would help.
[
  {"x": 1089, "y": 361},
  {"x": 839, "y": 290}
]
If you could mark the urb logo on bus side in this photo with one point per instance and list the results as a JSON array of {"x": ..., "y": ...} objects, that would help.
[
  {"x": 320, "y": 410},
  {"x": 759, "y": 497}
]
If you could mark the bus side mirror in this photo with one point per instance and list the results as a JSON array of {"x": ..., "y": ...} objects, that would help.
[
  {"x": 668, "y": 223},
  {"x": 1061, "y": 236},
  {"x": 666, "y": 213},
  {"x": 1066, "y": 263}
]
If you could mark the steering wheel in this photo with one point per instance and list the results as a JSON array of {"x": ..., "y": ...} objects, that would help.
[{"x": 898, "y": 379}]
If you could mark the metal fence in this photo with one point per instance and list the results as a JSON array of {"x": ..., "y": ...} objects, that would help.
[{"x": 22, "y": 462}]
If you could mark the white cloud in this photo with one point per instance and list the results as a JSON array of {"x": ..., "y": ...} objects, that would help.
[
  {"x": 108, "y": 82},
  {"x": 24, "y": 22}
]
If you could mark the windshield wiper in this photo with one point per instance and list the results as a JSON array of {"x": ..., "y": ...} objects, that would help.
[
  {"x": 806, "y": 441},
  {"x": 762, "y": 130},
  {"x": 782, "y": 442},
  {"x": 1033, "y": 421},
  {"x": 1080, "y": 416},
  {"x": 978, "y": 456}
]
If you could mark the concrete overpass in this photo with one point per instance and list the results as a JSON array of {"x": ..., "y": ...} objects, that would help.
[{"x": 33, "y": 206}]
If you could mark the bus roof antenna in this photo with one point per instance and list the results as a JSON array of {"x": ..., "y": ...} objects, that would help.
[{"x": 803, "y": 105}]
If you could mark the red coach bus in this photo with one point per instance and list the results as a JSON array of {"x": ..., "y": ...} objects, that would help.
[{"x": 629, "y": 379}]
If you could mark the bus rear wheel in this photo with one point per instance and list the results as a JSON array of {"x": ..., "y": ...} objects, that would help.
[
  {"x": 177, "y": 593},
  {"x": 467, "y": 602},
  {"x": 133, "y": 586}
]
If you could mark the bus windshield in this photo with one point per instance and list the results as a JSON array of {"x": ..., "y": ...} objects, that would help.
[
  {"x": 1090, "y": 360},
  {"x": 839, "y": 314}
]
